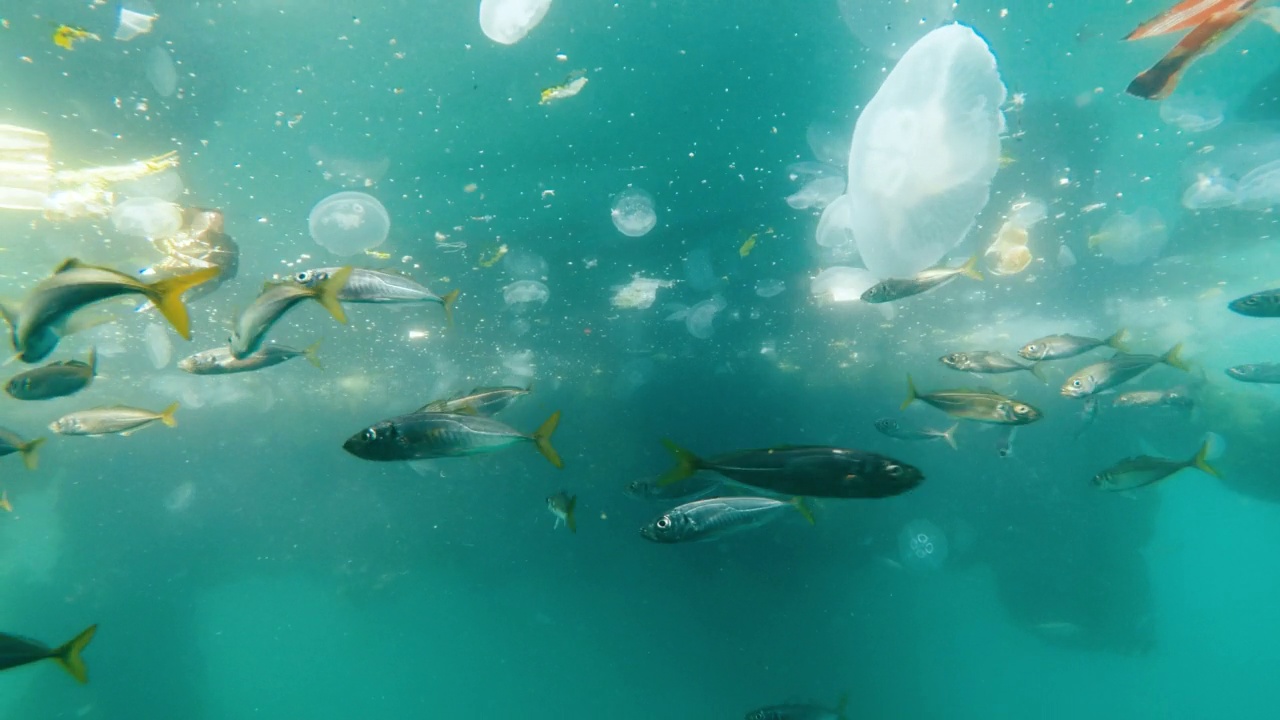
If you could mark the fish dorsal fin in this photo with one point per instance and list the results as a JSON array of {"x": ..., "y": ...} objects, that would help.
[{"x": 68, "y": 264}]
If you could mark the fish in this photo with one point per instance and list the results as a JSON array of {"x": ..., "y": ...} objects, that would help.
[
  {"x": 1088, "y": 413},
  {"x": 38, "y": 323},
  {"x": 806, "y": 470},
  {"x": 419, "y": 436},
  {"x": 274, "y": 301},
  {"x": 55, "y": 380},
  {"x": 891, "y": 428},
  {"x": 691, "y": 488},
  {"x": 1004, "y": 443},
  {"x": 714, "y": 518},
  {"x": 1256, "y": 373},
  {"x": 221, "y": 361},
  {"x": 1265, "y": 304},
  {"x": 11, "y": 442},
  {"x": 562, "y": 505},
  {"x": 572, "y": 86},
  {"x": 1212, "y": 23},
  {"x": 980, "y": 405},
  {"x": 989, "y": 363},
  {"x": 801, "y": 711},
  {"x": 1176, "y": 397},
  {"x": 1057, "y": 347},
  {"x": 487, "y": 401},
  {"x": 1143, "y": 470},
  {"x": 1120, "y": 368},
  {"x": 16, "y": 651},
  {"x": 5, "y": 505},
  {"x": 899, "y": 288},
  {"x": 112, "y": 420},
  {"x": 373, "y": 286},
  {"x": 1184, "y": 16}
]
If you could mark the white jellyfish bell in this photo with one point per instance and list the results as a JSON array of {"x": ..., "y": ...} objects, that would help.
[
  {"x": 136, "y": 18},
  {"x": 508, "y": 21}
]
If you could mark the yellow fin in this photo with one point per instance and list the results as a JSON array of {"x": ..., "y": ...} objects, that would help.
[
  {"x": 448, "y": 300},
  {"x": 911, "y": 394},
  {"x": 312, "y": 354},
  {"x": 1117, "y": 340},
  {"x": 68, "y": 656},
  {"x": 970, "y": 268},
  {"x": 167, "y": 297},
  {"x": 799, "y": 504},
  {"x": 166, "y": 415},
  {"x": 4, "y": 501},
  {"x": 1173, "y": 358},
  {"x": 686, "y": 464},
  {"x": 28, "y": 450},
  {"x": 542, "y": 436},
  {"x": 1201, "y": 461},
  {"x": 327, "y": 293}
]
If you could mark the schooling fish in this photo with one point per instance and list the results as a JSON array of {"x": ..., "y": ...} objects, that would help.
[
  {"x": 691, "y": 488},
  {"x": 1265, "y": 304},
  {"x": 979, "y": 405},
  {"x": 487, "y": 401},
  {"x": 798, "y": 711},
  {"x": 372, "y": 286},
  {"x": 1135, "y": 472},
  {"x": 1257, "y": 373},
  {"x": 1057, "y": 347},
  {"x": 894, "y": 430},
  {"x": 562, "y": 505},
  {"x": 253, "y": 324},
  {"x": 16, "y": 651},
  {"x": 11, "y": 443},
  {"x": 1176, "y": 397},
  {"x": 988, "y": 363},
  {"x": 113, "y": 420},
  {"x": 716, "y": 517},
  {"x": 55, "y": 380},
  {"x": 419, "y": 436},
  {"x": 1116, "y": 370},
  {"x": 899, "y": 288},
  {"x": 38, "y": 324},
  {"x": 806, "y": 470},
  {"x": 220, "y": 360}
]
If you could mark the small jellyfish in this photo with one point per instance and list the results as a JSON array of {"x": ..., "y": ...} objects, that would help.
[
  {"x": 179, "y": 499},
  {"x": 633, "y": 212},
  {"x": 834, "y": 229},
  {"x": 161, "y": 71},
  {"x": 1066, "y": 258},
  {"x": 819, "y": 193},
  {"x": 136, "y": 18},
  {"x": 830, "y": 144},
  {"x": 922, "y": 546},
  {"x": 1131, "y": 239},
  {"x": 1193, "y": 113},
  {"x": 525, "y": 294},
  {"x": 347, "y": 223},
  {"x": 888, "y": 27},
  {"x": 700, "y": 318},
  {"x": 1210, "y": 192},
  {"x": 769, "y": 287},
  {"x": 146, "y": 217},
  {"x": 698, "y": 271},
  {"x": 1259, "y": 189},
  {"x": 508, "y": 21},
  {"x": 842, "y": 284},
  {"x": 524, "y": 264},
  {"x": 159, "y": 347},
  {"x": 1009, "y": 254}
]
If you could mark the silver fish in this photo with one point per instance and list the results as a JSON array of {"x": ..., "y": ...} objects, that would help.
[
  {"x": 1004, "y": 443},
  {"x": 372, "y": 286},
  {"x": 801, "y": 711},
  {"x": 1135, "y": 472},
  {"x": 697, "y": 486},
  {"x": 274, "y": 301},
  {"x": 1176, "y": 397},
  {"x": 899, "y": 288},
  {"x": 1057, "y": 347},
  {"x": 987, "y": 362},
  {"x": 114, "y": 420},
  {"x": 716, "y": 517},
  {"x": 1260, "y": 304},
  {"x": 486, "y": 401},
  {"x": 979, "y": 405},
  {"x": 220, "y": 360},
  {"x": 891, "y": 428},
  {"x": 562, "y": 505},
  {"x": 1117, "y": 370},
  {"x": 419, "y": 436},
  {"x": 1257, "y": 373},
  {"x": 55, "y": 380}
]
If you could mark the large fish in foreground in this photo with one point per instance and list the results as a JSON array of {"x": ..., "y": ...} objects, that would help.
[
  {"x": 1265, "y": 304},
  {"x": 1142, "y": 470},
  {"x": 806, "y": 470},
  {"x": 420, "y": 436},
  {"x": 55, "y": 380},
  {"x": 16, "y": 651},
  {"x": 980, "y": 405},
  {"x": 38, "y": 324},
  {"x": 276, "y": 300},
  {"x": 373, "y": 286},
  {"x": 1256, "y": 373},
  {"x": 716, "y": 517},
  {"x": 1119, "y": 369}
]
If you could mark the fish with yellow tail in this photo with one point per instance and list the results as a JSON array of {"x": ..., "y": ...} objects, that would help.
[
  {"x": 1117, "y": 370},
  {"x": 562, "y": 505},
  {"x": 11, "y": 442},
  {"x": 1136, "y": 472},
  {"x": 804, "y": 470},
  {"x": 714, "y": 518},
  {"x": 36, "y": 326},
  {"x": 980, "y": 405},
  {"x": 276, "y": 300},
  {"x": 114, "y": 420},
  {"x": 422, "y": 436},
  {"x": 987, "y": 362},
  {"x": 220, "y": 361},
  {"x": 924, "y": 281},
  {"x": 55, "y": 380},
  {"x": 16, "y": 651},
  {"x": 1057, "y": 347},
  {"x": 488, "y": 401},
  {"x": 5, "y": 505},
  {"x": 377, "y": 287}
]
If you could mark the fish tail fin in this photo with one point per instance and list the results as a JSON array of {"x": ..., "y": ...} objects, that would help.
[
  {"x": 798, "y": 503},
  {"x": 970, "y": 268},
  {"x": 166, "y": 415},
  {"x": 167, "y": 295},
  {"x": 68, "y": 656},
  {"x": 1173, "y": 358},
  {"x": 93, "y": 362},
  {"x": 447, "y": 301},
  {"x": 569, "y": 518},
  {"x": 312, "y": 354},
  {"x": 1201, "y": 460},
  {"x": 9, "y": 313},
  {"x": 950, "y": 436},
  {"x": 1119, "y": 340},
  {"x": 842, "y": 706},
  {"x": 5, "y": 505},
  {"x": 327, "y": 293},
  {"x": 686, "y": 464},
  {"x": 911, "y": 393},
  {"x": 1037, "y": 369},
  {"x": 542, "y": 436},
  {"x": 29, "y": 456}
]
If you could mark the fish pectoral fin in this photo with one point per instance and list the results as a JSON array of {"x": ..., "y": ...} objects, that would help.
[{"x": 68, "y": 656}]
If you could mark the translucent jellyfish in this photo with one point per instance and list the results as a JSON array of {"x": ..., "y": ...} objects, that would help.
[
  {"x": 834, "y": 228},
  {"x": 346, "y": 223},
  {"x": 769, "y": 287},
  {"x": 809, "y": 170},
  {"x": 525, "y": 294},
  {"x": 699, "y": 321},
  {"x": 520, "y": 364},
  {"x": 639, "y": 294},
  {"x": 179, "y": 499},
  {"x": 1210, "y": 192},
  {"x": 633, "y": 212},
  {"x": 524, "y": 264},
  {"x": 161, "y": 71},
  {"x": 349, "y": 171},
  {"x": 1131, "y": 239},
  {"x": 842, "y": 284},
  {"x": 136, "y": 18},
  {"x": 159, "y": 347},
  {"x": 164, "y": 185},
  {"x": 147, "y": 217},
  {"x": 924, "y": 153},
  {"x": 829, "y": 143},
  {"x": 1009, "y": 254},
  {"x": 1066, "y": 258},
  {"x": 817, "y": 193},
  {"x": 1260, "y": 188},
  {"x": 698, "y": 271},
  {"x": 922, "y": 546},
  {"x": 508, "y": 21},
  {"x": 889, "y": 27},
  {"x": 1193, "y": 113}
]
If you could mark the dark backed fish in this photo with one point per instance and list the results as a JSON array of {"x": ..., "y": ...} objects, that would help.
[
  {"x": 16, "y": 651},
  {"x": 276, "y": 300},
  {"x": 562, "y": 505},
  {"x": 11, "y": 442},
  {"x": 1057, "y": 347},
  {"x": 716, "y": 517},
  {"x": 373, "y": 286},
  {"x": 801, "y": 711},
  {"x": 420, "y": 436},
  {"x": 1142, "y": 470},
  {"x": 898, "y": 288},
  {"x": 1256, "y": 373},
  {"x": 1265, "y": 304},
  {"x": 980, "y": 405},
  {"x": 55, "y": 380},
  {"x": 221, "y": 361},
  {"x": 488, "y": 401}
]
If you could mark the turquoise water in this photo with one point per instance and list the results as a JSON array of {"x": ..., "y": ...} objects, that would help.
[{"x": 243, "y": 566}]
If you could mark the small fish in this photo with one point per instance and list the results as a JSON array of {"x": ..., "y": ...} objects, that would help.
[
  {"x": 1212, "y": 23},
  {"x": 487, "y": 401},
  {"x": 894, "y": 430},
  {"x": 55, "y": 380},
  {"x": 1176, "y": 397},
  {"x": 805, "y": 470},
  {"x": 253, "y": 324},
  {"x": 38, "y": 324},
  {"x": 801, "y": 711},
  {"x": 66, "y": 36},
  {"x": 1142, "y": 470},
  {"x": 16, "y": 651},
  {"x": 989, "y": 363},
  {"x": 1004, "y": 443},
  {"x": 897, "y": 289},
  {"x": 113, "y": 420},
  {"x": 1117, "y": 370},
  {"x": 691, "y": 488},
  {"x": 1057, "y": 347},
  {"x": 979, "y": 405},
  {"x": 220, "y": 360},
  {"x": 568, "y": 89},
  {"x": 373, "y": 286},
  {"x": 716, "y": 517},
  {"x": 1256, "y": 373},
  {"x": 11, "y": 443},
  {"x": 1265, "y": 304},
  {"x": 419, "y": 436},
  {"x": 562, "y": 505}
]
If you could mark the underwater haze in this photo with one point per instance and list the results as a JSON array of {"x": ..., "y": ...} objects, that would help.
[{"x": 646, "y": 252}]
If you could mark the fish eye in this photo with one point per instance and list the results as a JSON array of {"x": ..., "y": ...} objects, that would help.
[
  {"x": 1251, "y": 301},
  {"x": 1033, "y": 347},
  {"x": 664, "y": 522},
  {"x": 1022, "y": 409},
  {"x": 894, "y": 470},
  {"x": 370, "y": 434},
  {"x": 303, "y": 276},
  {"x": 1076, "y": 383}
]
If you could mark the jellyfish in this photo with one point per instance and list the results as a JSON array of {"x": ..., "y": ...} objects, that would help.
[
  {"x": 161, "y": 71},
  {"x": 769, "y": 287},
  {"x": 346, "y": 223},
  {"x": 525, "y": 294},
  {"x": 639, "y": 294},
  {"x": 818, "y": 193},
  {"x": 136, "y": 18},
  {"x": 1210, "y": 192},
  {"x": 179, "y": 499},
  {"x": 830, "y": 145},
  {"x": 924, "y": 152},
  {"x": 834, "y": 228},
  {"x": 164, "y": 185},
  {"x": 1131, "y": 239},
  {"x": 1066, "y": 258},
  {"x": 700, "y": 317},
  {"x": 159, "y": 347},
  {"x": 508, "y": 21},
  {"x": 146, "y": 217},
  {"x": 633, "y": 212},
  {"x": 812, "y": 170},
  {"x": 1009, "y": 254},
  {"x": 1193, "y": 113},
  {"x": 842, "y": 284},
  {"x": 922, "y": 546},
  {"x": 889, "y": 27},
  {"x": 1259, "y": 189}
]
